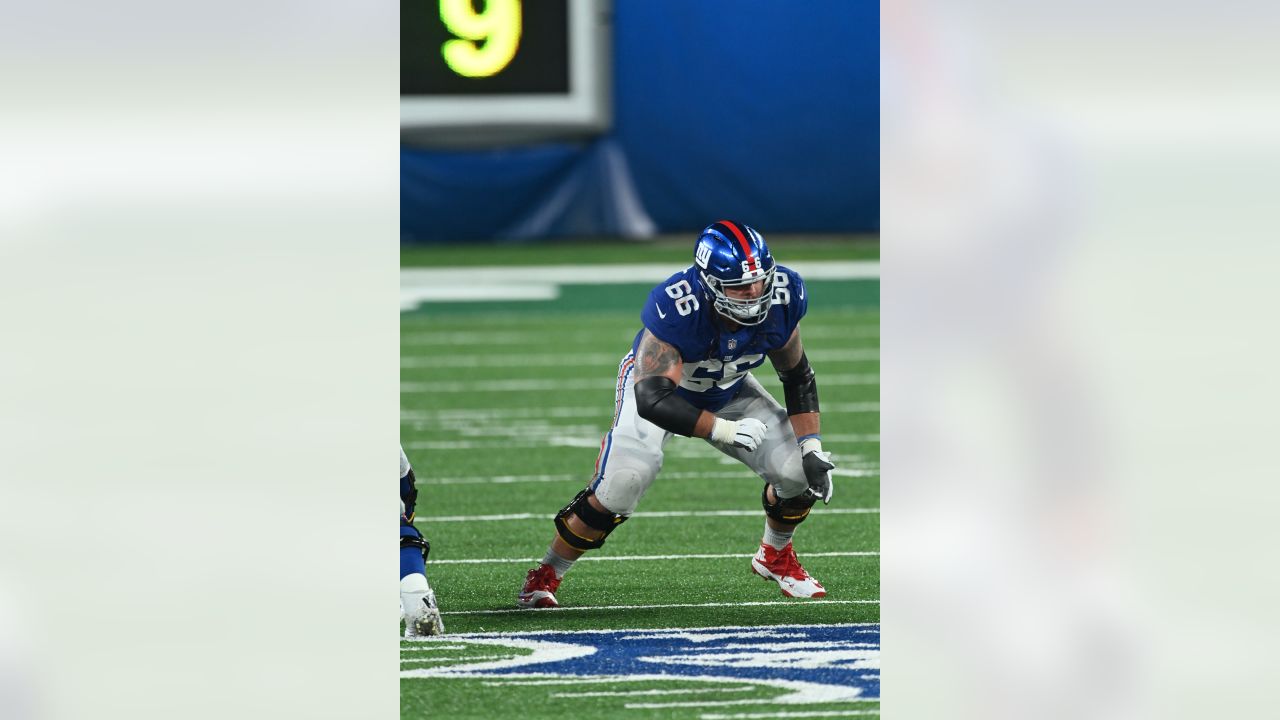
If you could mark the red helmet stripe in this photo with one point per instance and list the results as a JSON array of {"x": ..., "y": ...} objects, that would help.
[{"x": 742, "y": 240}]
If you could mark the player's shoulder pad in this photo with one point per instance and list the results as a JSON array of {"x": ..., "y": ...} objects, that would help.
[
  {"x": 674, "y": 310},
  {"x": 404, "y": 462}
]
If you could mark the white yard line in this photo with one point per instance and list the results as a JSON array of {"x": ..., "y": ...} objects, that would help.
[
  {"x": 658, "y": 514},
  {"x": 566, "y": 384},
  {"x": 570, "y": 680},
  {"x": 510, "y": 337},
  {"x": 466, "y": 637},
  {"x": 617, "y": 558},
  {"x": 723, "y": 703},
  {"x": 838, "y": 331},
  {"x": 610, "y": 273},
  {"x": 856, "y": 471},
  {"x": 589, "y": 359},
  {"x": 589, "y": 441},
  {"x": 457, "y": 659},
  {"x": 654, "y": 607},
  {"x": 454, "y": 416},
  {"x": 791, "y": 714}
]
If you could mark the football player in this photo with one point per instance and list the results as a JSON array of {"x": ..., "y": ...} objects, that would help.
[
  {"x": 687, "y": 373},
  {"x": 417, "y": 601}
]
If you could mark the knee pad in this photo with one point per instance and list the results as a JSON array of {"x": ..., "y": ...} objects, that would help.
[
  {"x": 411, "y": 538},
  {"x": 792, "y": 511},
  {"x": 605, "y": 522}
]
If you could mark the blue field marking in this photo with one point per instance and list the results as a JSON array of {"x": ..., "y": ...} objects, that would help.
[{"x": 822, "y": 662}]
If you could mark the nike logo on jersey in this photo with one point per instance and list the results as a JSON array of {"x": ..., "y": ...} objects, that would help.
[{"x": 664, "y": 317}]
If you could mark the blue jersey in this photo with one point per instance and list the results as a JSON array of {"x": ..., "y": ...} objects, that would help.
[{"x": 679, "y": 312}]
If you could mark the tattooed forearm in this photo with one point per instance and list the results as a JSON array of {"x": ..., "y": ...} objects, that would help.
[
  {"x": 788, "y": 356},
  {"x": 655, "y": 357}
]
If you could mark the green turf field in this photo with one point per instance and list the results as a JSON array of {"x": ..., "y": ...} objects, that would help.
[{"x": 503, "y": 406}]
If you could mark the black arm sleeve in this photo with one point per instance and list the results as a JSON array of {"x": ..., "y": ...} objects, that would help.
[
  {"x": 800, "y": 387},
  {"x": 657, "y": 402}
]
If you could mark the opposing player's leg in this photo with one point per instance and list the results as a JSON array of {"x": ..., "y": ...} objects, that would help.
[
  {"x": 786, "y": 504},
  {"x": 417, "y": 601},
  {"x": 629, "y": 460}
]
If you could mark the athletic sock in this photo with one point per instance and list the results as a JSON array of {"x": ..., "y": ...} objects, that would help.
[
  {"x": 776, "y": 538},
  {"x": 561, "y": 564}
]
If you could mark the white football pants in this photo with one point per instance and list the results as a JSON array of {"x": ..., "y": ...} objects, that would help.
[{"x": 631, "y": 453}]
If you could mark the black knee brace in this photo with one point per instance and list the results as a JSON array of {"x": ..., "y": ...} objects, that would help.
[
  {"x": 416, "y": 541},
  {"x": 792, "y": 511},
  {"x": 594, "y": 519}
]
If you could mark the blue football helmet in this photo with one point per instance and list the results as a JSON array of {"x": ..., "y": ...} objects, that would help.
[{"x": 730, "y": 254}]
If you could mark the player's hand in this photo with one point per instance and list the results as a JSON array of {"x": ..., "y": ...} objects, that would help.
[
  {"x": 817, "y": 469},
  {"x": 745, "y": 433}
]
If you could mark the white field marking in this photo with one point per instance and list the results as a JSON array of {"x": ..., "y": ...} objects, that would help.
[
  {"x": 506, "y": 412},
  {"x": 816, "y": 657},
  {"x": 592, "y": 442},
  {"x": 655, "y": 607},
  {"x": 497, "y": 282},
  {"x": 567, "y": 384},
  {"x": 635, "y": 693},
  {"x": 454, "y": 416},
  {"x": 856, "y": 471},
  {"x": 725, "y": 703},
  {"x": 542, "y": 651},
  {"x": 798, "y": 692},
  {"x": 456, "y": 659},
  {"x": 510, "y": 337},
  {"x": 655, "y": 514},
  {"x": 790, "y": 714},
  {"x": 589, "y": 359},
  {"x": 645, "y": 558},
  {"x": 433, "y": 648},
  {"x": 561, "y": 680},
  {"x": 842, "y": 332},
  {"x": 679, "y": 631},
  {"x": 504, "y": 479},
  {"x": 412, "y": 297},
  {"x": 852, "y": 438},
  {"x": 609, "y": 273}
]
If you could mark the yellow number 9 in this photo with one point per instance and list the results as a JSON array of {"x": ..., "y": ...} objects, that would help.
[{"x": 488, "y": 39}]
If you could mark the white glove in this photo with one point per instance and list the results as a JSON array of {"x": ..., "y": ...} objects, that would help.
[{"x": 745, "y": 433}]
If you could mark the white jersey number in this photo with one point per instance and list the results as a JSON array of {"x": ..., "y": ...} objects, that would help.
[
  {"x": 686, "y": 302},
  {"x": 728, "y": 372},
  {"x": 781, "y": 291}
]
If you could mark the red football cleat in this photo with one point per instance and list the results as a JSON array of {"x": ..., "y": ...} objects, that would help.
[
  {"x": 783, "y": 567},
  {"x": 539, "y": 588}
]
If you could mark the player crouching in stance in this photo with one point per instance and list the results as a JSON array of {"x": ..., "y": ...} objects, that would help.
[
  {"x": 417, "y": 601},
  {"x": 687, "y": 374}
]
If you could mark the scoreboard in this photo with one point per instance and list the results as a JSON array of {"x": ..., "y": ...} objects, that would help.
[{"x": 523, "y": 65}]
